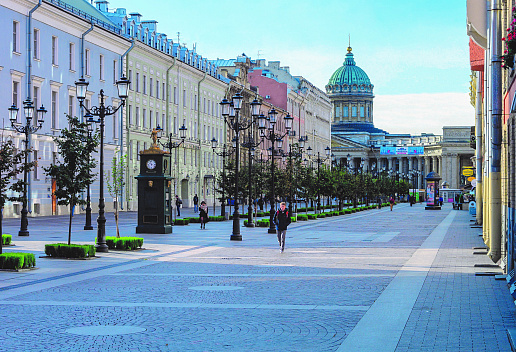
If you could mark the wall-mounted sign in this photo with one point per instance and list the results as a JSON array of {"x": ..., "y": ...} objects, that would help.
[{"x": 402, "y": 150}]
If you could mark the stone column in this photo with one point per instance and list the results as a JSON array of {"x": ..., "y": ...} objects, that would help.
[
  {"x": 421, "y": 174},
  {"x": 434, "y": 164},
  {"x": 389, "y": 161}
]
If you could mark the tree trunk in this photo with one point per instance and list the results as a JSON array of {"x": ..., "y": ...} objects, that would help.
[
  {"x": 70, "y": 224},
  {"x": 1, "y": 230},
  {"x": 116, "y": 217}
]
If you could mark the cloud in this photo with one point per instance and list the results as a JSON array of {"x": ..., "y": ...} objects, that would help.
[{"x": 422, "y": 113}]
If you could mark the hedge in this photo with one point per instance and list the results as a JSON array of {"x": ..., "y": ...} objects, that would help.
[
  {"x": 6, "y": 239},
  {"x": 124, "y": 243},
  {"x": 302, "y": 217},
  {"x": 293, "y": 219},
  {"x": 342, "y": 212},
  {"x": 263, "y": 223},
  {"x": 194, "y": 219},
  {"x": 63, "y": 250},
  {"x": 15, "y": 261},
  {"x": 312, "y": 216},
  {"x": 185, "y": 221},
  {"x": 216, "y": 218},
  {"x": 260, "y": 214}
]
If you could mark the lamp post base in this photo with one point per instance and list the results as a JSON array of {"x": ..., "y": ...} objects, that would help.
[
  {"x": 236, "y": 237},
  {"x": 103, "y": 248},
  {"x": 88, "y": 227},
  {"x": 23, "y": 233}
]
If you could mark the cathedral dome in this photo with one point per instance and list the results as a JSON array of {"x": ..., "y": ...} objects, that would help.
[{"x": 350, "y": 79}]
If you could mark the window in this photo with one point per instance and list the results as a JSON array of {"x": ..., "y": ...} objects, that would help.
[
  {"x": 163, "y": 122},
  {"x": 345, "y": 111},
  {"x": 150, "y": 118},
  {"x": 114, "y": 72},
  {"x": 157, "y": 120},
  {"x": 129, "y": 112},
  {"x": 137, "y": 82},
  {"x": 138, "y": 116},
  {"x": 337, "y": 111},
  {"x": 71, "y": 57},
  {"x": 36, "y": 44},
  {"x": 36, "y": 104},
  {"x": 150, "y": 86},
  {"x": 87, "y": 61},
  {"x": 54, "y": 111},
  {"x": 130, "y": 78},
  {"x": 209, "y": 103},
  {"x": 163, "y": 91},
  {"x": 54, "y": 51},
  {"x": 16, "y": 36},
  {"x": 175, "y": 95},
  {"x": 195, "y": 103},
  {"x": 157, "y": 89},
  {"x": 16, "y": 93},
  {"x": 144, "y": 116},
  {"x": 353, "y": 111},
  {"x": 204, "y": 109},
  {"x": 144, "y": 84},
  {"x": 35, "y": 173},
  {"x": 70, "y": 105},
  {"x": 101, "y": 66},
  {"x": 362, "y": 111},
  {"x": 184, "y": 97}
]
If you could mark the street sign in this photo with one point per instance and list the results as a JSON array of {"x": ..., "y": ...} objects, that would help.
[{"x": 467, "y": 172}]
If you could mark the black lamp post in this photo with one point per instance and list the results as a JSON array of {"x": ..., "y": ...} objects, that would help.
[
  {"x": 101, "y": 111},
  {"x": 278, "y": 138},
  {"x": 231, "y": 114},
  {"x": 296, "y": 152},
  {"x": 225, "y": 152},
  {"x": 170, "y": 143},
  {"x": 88, "y": 225},
  {"x": 28, "y": 128},
  {"x": 319, "y": 161}
]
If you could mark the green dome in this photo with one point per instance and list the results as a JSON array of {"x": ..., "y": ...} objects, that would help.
[{"x": 349, "y": 78}]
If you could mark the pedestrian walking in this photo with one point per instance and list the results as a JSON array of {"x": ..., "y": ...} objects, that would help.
[
  {"x": 260, "y": 203},
  {"x": 391, "y": 202},
  {"x": 441, "y": 200},
  {"x": 203, "y": 214},
  {"x": 178, "y": 205},
  {"x": 195, "y": 203},
  {"x": 282, "y": 220}
]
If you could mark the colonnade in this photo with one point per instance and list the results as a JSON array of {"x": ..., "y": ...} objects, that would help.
[{"x": 446, "y": 165}]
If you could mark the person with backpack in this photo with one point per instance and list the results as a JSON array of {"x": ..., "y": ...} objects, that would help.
[
  {"x": 282, "y": 220},
  {"x": 203, "y": 214},
  {"x": 178, "y": 205},
  {"x": 195, "y": 203}
]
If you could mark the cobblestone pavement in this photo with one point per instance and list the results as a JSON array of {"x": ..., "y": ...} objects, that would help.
[{"x": 371, "y": 281}]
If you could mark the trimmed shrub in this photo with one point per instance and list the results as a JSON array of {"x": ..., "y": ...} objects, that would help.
[
  {"x": 310, "y": 209},
  {"x": 15, "y": 261},
  {"x": 302, "y": 217},
  {"x": 63, "y": 250},
  {"x": 124, "y": 243},
  {"x": 260, "y": 214},
  {"x": 216, "y": 218},
  {"x": 263, "y": 223},
  {"x": 342, "y": 212},
  {"x": 6, "y": 239},
  {"x": 194, "y": 219},
  {"x": 293, "y": 219},
  {"x": 347, "y": 211},
  {"x": 312, "y": 216},
  {"x": 184, "y": 221},
  {"x": 299, "y": 210}
]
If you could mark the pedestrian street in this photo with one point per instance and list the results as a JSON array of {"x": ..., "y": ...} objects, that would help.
[{"x": 371, "y": 281}]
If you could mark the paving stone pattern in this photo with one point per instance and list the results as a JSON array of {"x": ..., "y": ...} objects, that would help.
[{"x": 194, "y": 290}]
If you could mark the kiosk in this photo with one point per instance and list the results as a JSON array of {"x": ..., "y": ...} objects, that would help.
[{"x": 432, "y": 191}]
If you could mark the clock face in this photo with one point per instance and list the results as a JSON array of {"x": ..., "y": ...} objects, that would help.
[{"x": 151, "y": 164}]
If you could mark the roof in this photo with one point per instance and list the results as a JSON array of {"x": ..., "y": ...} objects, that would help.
[
  {"x": 349, "y": 73},
  {"x": 356, "y": 127}
]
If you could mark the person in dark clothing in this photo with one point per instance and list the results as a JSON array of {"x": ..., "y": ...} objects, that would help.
[
  {"x": 282, "y": 220},
  {"x": 203, "y": 214},
  {"x": 260, "y": 203},
  {"x": 178, "y": 205},
  {"x": 195, "y": 203}
]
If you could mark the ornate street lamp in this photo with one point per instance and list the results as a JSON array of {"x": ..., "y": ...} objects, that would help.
[
  {"x": 231, "y": 114},
  {"x": 170, "y": 143},
  {"x": 225, "y": 152},
  {"x": 88, "y": 225},
  {"x": 101, "y": 111},
  {"x": 27, "y": 129},
  {"x": 278, "y": 138}
]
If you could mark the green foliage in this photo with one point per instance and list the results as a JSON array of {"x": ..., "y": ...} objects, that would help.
[
  {"x": 184, "y": 221},
  {"x": 73, "y": 173},
  {"x": 15, "y": 261},
  {"x": 302, "y": 217},
  {"x": 263, "y": 223},
  {"x": 115, "y": 181},
  {"x": 6, "y": 239},
  {"x": 260, "y": 214},
  {"x": 124, "y": 243},
  {"x": 217, "y": 218},
  {"x": 342, "y": 212},
  {"x": 312, "y": 216},
  {"x": 293, "y": 219},
  {"x": 194, "y": 220},
  {"x": 63, "y": 250}
]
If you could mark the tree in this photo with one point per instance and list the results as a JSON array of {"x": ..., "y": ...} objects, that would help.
[
  {"x": 11, "y": 164},
  {"x": 73, "y": 174},
  {"x": 116, "y": 183}
]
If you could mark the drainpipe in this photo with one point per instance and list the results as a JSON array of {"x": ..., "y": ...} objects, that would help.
[
  {"x": 495, "y": 220},
  {"x": 82, "y": 52},
  {"x": 29, "y": 94},
  {"x": 199, "y": 128},
  {"x": 167, "y": 102},
  {"x": 121, "y": 136},
  {"x": 478, "y": 148}
]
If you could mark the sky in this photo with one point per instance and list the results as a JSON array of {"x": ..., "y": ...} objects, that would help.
[{"x": 415, "y": 52}]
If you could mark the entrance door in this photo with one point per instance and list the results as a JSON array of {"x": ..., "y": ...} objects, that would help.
[{"x": 184, "y": 193}]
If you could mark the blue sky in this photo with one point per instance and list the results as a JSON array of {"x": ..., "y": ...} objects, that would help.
[{"x": 415, "y": 52}]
